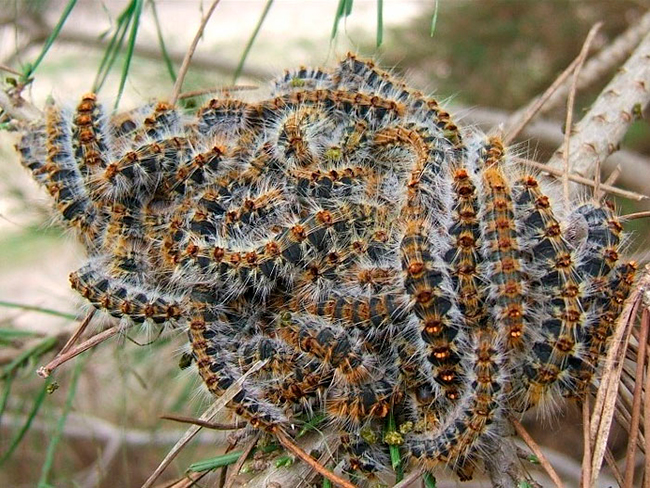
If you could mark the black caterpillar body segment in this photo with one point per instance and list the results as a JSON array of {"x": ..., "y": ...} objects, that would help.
[
  {"x": 426, "y": 282},
  {"x": 464, "y": 256},
  {"x": 122, "y": 299},
  {"x": 63, "y": 181},
  {"x": 347, "y": 247},
  {"x": 501, "y": 247},
  {"x": 562, "y": 330}
]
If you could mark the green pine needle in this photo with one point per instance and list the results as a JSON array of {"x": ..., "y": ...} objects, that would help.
[
  {"x": 58, "y": 432},
  {"x": 434, "y": 20},
  {"x": 135, "y": 23},
  {"x": 161, "y": 40},
  {"x": 250, "y": 42},
  {"x": 32, "y": 353},
  {"x": 38, "y": 402},
  {"x": 34, "y": 308},
  {"x": 344, "y": 9},
  {"x": 5, "y": 394},
  {"x": 215, "y": 462},
  {"x": 31, "y": 67},
  {"x": 380, "y": 22},
  {"x": 312, "y": 424}
]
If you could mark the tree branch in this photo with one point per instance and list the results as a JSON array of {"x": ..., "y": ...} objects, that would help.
[{"x": 600, "y": 132}]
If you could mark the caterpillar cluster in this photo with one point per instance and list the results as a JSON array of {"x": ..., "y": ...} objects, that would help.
[{"x": 381, "y": 260}]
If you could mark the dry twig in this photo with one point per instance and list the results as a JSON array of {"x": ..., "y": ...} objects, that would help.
[
  {"x": 604, "y": 407},
  {"x": 219, "y": 404},
  {"x": 203, "y": 423},
  {"x": 530, "y": 442},
  {"x": 569, "y": 111},
  {"x": 45, "y": 371},
  {"x": 517, "y": 122},
  {"x": 600, "y": 131},
  {"x": 636, "y": 406},
  {"x": 584, "y": 181},
  {"x": 190, "y": 52}
]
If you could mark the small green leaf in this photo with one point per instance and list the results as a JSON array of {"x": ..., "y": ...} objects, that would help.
[
  {"x": 284, "y": 461},
  {"x": 429, "y": 480},
  {"x": 311, "y": 424}
]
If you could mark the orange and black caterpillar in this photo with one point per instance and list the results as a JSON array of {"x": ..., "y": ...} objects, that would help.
[{"x": 383, "y": 262}]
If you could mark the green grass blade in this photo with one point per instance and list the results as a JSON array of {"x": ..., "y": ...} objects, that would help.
[
  {"x": 313, "y": 423},
  {"x": 348, "y": 7},
  {"x": 161, "y": 40},
  {"x": 34, "y": 308},
  {"x": 34, "y": 352},
  {"x": 9, "y": 335},
  {"x": 393, "y": 449},
  {"x": 326, "y": 483},
  {"x": 215, "y": 462},
  {"x": 341, "y": 11},
  {"x": 38, "y": 402},
  {"x": 380, "y": 22},
  {"x": 114, "y": 46},
  {"x": 429, "y": 480},
  {"x": 58, "y": 433},
  {"x": 50, "y": 40},
  {"x": 135, "y": 23},
  {"x": 5, "y": 395},
  {"x": 247, "y": 49},
  {"x": 434, "y": 20}
]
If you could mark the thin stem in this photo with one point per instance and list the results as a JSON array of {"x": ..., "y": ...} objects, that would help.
[
  {"x": 584, "y": 181},
  {"x": 250, "y": 42},
  {"x": 286, "y": 441},
  {"x": 543, "y": 461},
  {"x": 203, "y": 423},
  {"x": 569, "y": 112},
  {"x": 45, "y": 371},
  {"x": 585, "y": 476},
  {"x": 636, "y": 403},
  {"x": 190, "y": 52}
]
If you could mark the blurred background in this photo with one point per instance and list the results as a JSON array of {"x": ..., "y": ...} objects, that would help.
[{"x": 484, "y": 58}]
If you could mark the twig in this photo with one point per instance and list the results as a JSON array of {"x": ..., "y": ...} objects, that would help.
[
  {"x": 600, "y": 131},
  {"x": 202, "y": 423},
  {"x": 584, "y": 181},
  {"x": 190, "y": 52},
  {"x": 10, "y": 70},
  {"x": 231, "y": 88},
  {"x": 18, "y": 108},
  {"x": 636, "y": 405},
  {"x": 77, "y": 333},
  {"x": 286, "y": 441},
  {"x": 242, "y": 459},
  {"x": 410, "y": 478},
  {"x": 530, "y": 442},
  {"x": 646, "y": 413},
  {"x": 636, "y": 215},
  {"x": 45, "y": 371},
  {"x": 517, "y": 122},
  {"x": 604, "y": 407},
  {"x": 207, "y": 416},
  {"x": 585, "y": 476},
  {"x": 569, "y": 111},
  {"x": 604, "y": 61},
  {"x": 611, "y": 462},
  {"x": 611, "y": 179},
  {"x": 635, "y": 175}
]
